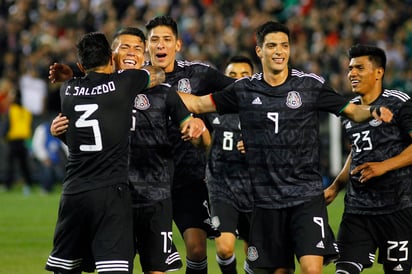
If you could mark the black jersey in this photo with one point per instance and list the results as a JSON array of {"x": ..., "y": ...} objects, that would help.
[
  {"x": 99, "y": 108},
  {"x": 199, "y": 79},
  {"x": 280, "y": 129},
  {"x": 227, "y": 173},
  {"x": 375, "y": 141},
  {"x": 151, "y": 161}
]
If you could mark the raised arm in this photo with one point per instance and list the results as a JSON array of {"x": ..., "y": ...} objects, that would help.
[
  {"x": 157, "y": 75},
  {"x": 59, "y": 72},
  {"x": 360, "y": 113},
  {"x": 198, "y": 104}
]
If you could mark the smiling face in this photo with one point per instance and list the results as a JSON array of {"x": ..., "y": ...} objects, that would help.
[
  {"x": 365, "y": 76},
  {"x": 128, "y": 52},
  {"x": 274, "y": 52},
  {"x": 163, "y": 45}
]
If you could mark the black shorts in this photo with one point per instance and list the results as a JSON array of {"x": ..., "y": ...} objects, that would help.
[
  {"x": 191, "y": 208},
  {"x": 153, "y": 234},
  {"x": 279, "y": 234},
  {"x": 94, "y": 228},
  {"x": 361, "y": 235},
  {"x": 227, "y": 218}
]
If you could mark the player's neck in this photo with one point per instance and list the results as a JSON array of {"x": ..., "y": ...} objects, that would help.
[
  {"x": 275, "y": 78},
  {"x": 371, "y": 96}
]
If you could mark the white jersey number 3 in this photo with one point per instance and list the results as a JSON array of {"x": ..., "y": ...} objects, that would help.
[{"x": 93, "y": 123}]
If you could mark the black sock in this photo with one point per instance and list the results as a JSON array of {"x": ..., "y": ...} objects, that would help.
[
  {"x": 227, "y": 266},
  {"x": 196, "y": 267}
]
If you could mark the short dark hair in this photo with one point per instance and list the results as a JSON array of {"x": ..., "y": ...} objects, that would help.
[
  {"x": 130, "y": 31},
  {"x": 240, "y": 59},
  {"x": 93, "y": 50},
  {"x": 269, "y": 27},
  {"x": 375, "y": 54},
  {"x": 164, "y": 20}
]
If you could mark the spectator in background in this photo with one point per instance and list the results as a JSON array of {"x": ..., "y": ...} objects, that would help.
[
  {"x": 17, "y": 131},
  {"x": 33, "y": 93},
  {"x": 6, "y": 91},
  {"x": 50, "y": 152}
]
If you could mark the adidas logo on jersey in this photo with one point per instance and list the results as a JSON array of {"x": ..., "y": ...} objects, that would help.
[
  {"x": 216, "y": 121},
  {"x": 398, "y": 268},
  {"x": 256, "y": 101},
  {"x": 348, "y": 125},
  {"x": 320, "y": 245}
]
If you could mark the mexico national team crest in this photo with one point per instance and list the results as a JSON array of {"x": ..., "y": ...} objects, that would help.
[
  {"x": 293, "y": 100},
  {"x": 375, "y": 123},
  {"x": 252, "y": 253},
  {"x": 184, "y": 85},
  {"x": 141, "y": 102}
]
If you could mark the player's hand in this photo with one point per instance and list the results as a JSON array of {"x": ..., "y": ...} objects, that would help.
[
  {"x": 194, "y": 128},
  {"x": 59, "y": 125},
  {"x": 241, "y": 147},
  {"x": 369, "y": 170},
  {"x": 60, "y": 73},
  {"x": 330, "y": 194},
  {"x": 382, "y": 114}
]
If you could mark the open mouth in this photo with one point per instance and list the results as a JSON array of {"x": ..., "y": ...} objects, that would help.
[
  {"x": 129, "y": 62},
  {"x": 161, "y": 55}
]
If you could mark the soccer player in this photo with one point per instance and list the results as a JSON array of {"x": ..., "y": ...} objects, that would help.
[
  {"x": 189, "y": 193},
  {"x": 279, "y": 113},
  {"x": 377, "y": 174},
  {"x": 94, "y": 229},
  {"x": 227, "y": 178},
  {"x": 150, "y": 160}
]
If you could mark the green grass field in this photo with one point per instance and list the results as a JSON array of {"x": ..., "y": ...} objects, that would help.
[{"x": 27, "y": 224}]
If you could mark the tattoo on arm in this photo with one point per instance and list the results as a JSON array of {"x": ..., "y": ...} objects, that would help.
[{"x": 157, "y": 75}]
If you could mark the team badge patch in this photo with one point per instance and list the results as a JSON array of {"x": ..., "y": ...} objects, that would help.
[
  {"x": 184, "y": 85},
  {"x": 141, "y": 102},
  {"x": 216, "y": 221},
  {"x": 375, "y": 123},
  {"x": 293, "y": 100},
  {"x": 252, "y": 253}
]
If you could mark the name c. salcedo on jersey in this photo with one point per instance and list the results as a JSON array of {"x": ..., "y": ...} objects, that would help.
[{"x": 87, "y": 91}]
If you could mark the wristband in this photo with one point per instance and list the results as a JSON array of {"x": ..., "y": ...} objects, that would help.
[{"x": 377, "y": 108}]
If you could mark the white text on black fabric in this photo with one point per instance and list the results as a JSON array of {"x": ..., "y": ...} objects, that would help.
[{"x": 90, "y": 91}]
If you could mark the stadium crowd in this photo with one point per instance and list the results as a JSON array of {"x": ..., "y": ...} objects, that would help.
[{"x": 34, "y": 34}]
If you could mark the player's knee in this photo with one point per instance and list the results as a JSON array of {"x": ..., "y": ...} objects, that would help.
[
  {"x": 224, "y": 252},
  {"x": 348, "y": 268}
]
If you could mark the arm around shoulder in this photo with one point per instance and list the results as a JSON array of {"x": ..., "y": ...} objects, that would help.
[
  {"x": 361, "y": 113},
  {"x": 198, "y": 104},
  {"x": 157, "y": 75}
]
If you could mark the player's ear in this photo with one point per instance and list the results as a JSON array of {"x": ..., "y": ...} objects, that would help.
[
  {"x": 80, "y": 66},
  {"x": 379, "y": 73},
  {"x": 258, "y": 51},
  {"x": 179, "y": 43}
]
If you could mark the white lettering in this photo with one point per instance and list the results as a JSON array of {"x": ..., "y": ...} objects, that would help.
[{"x": 97, "y": 90}]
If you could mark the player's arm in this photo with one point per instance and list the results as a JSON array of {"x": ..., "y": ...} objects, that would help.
[
  {"x": 59, "y": 127},
  {"x": 194, "y": 130},
  {"x": 198, "y": 104},
  {"x": 157, "y": 75},
  {"x": 361, "y": 113},
  {"x": 370, "y": 170},
  {"x": 59, "y": 72},
  {"x": 339, "y": 183}
]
